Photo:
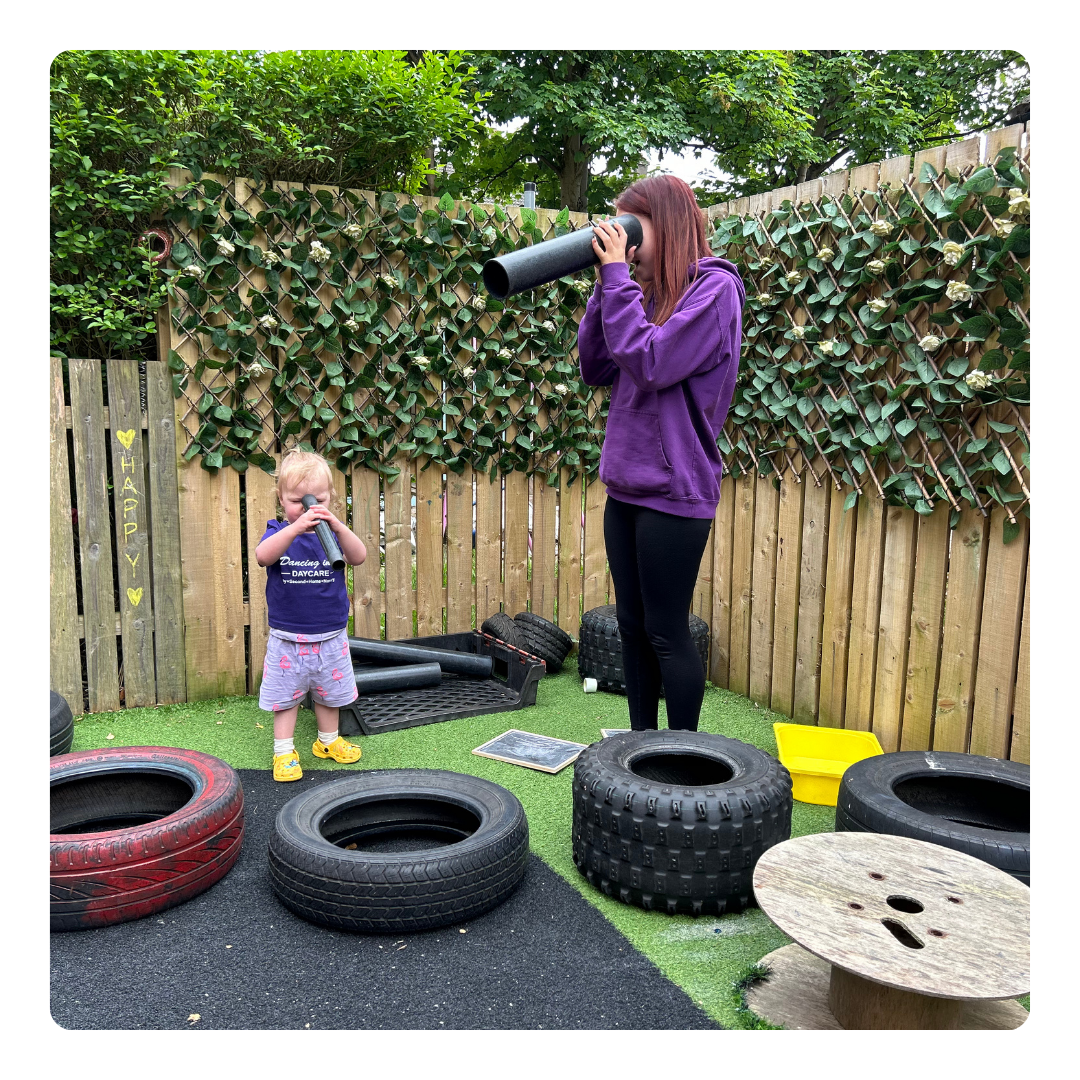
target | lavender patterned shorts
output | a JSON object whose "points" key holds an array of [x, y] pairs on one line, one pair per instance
{"points": [[293, 668]]}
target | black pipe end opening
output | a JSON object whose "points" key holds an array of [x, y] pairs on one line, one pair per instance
{"points": [[496, 279]]}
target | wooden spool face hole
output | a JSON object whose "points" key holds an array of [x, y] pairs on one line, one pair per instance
{"points": [[936, 933], [904, 903], [876, 876], [902, 934], [954, 899], [854, 906]]}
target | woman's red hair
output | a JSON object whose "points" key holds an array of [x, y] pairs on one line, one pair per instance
{"points": [[679, 227]]}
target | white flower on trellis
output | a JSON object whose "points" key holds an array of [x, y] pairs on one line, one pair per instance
{"points": [[877, 305], [876, 266], [505, 354], [195, 271], [764, 298], [793, 277], [766, 261], [562, 388], [952, 251], [423, 365], [825, 253], [547, 324], [1019, 201], [979, 380], [798, 332], [428, 241], [270, 259], [268, 322], [225, 248], [351, 324], [881, 228], [318, 253], [827, 347], [468, 372], [957, 290], [930, 343], [1002, 227], [353, 231], [443, 324], [477, 303], [389, 280]]}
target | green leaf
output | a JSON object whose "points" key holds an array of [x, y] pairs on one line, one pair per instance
{"points": [[906, 427], [979, 327], [981, 181], [1010, 530], [1001, 463], [850, 501], [992, 360], [446, 203]]}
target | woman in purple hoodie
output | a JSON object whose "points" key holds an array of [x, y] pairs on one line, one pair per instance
{"points": [[667, 342]]}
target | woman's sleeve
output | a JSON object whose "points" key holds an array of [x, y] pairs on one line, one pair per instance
{"points": [[597, 367], [655, 357]]}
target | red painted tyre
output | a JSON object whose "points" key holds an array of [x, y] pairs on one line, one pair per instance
{"points": [[137, 830]]}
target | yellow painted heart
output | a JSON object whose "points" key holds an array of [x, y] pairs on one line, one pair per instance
{"points": [[126, 438], [135, 595]]}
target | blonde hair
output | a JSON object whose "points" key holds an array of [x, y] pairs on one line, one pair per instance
{"points": [[299, 465]]}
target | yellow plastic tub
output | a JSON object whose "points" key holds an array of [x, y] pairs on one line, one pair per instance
{"points": [[816, 757]]}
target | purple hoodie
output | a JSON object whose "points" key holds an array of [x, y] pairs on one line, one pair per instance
{"points": [[653, 455]]}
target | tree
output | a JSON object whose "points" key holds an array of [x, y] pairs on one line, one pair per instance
{"points": [[577, 107], [866, 105], [772, 118]]}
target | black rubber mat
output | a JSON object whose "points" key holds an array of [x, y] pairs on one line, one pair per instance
{"points": [[240, 960]]}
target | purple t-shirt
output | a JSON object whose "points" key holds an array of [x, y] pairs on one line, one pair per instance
{"points": [[304, 594]]}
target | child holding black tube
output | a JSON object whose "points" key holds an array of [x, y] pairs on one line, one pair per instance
{"points": [[308, 611]]}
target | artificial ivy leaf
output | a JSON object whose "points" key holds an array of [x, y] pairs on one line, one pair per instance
{"points": [[992, 360], [978, 327], [1010, 530], [981, 181]]}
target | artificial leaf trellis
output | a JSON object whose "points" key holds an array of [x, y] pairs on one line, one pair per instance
{"points": [[357, 324], [886, 339], [886, 336]]}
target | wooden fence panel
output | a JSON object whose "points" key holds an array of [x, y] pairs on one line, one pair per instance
{"points": [[132, 535], [742, 584], [594, 591], [786, 616], [368, 598], [999, 638], [959, 648], [720, 622], [516, 544], [813, 554], [1020, 747], [65, 663], [543, 584], [924, 632], [460, 591], [399, 590], [95, 539], [260, 506], [701, 605], [865, 606], [571, 511], [430, 591], [489, 589], [763, 595], [894, 620], [836, 618]]}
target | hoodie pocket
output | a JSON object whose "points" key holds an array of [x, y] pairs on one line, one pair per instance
{"points": [[633, 458]]}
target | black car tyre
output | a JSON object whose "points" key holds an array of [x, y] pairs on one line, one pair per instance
{"points": [[398, 850], [501, 626], [61, 725], [136, 830], [977, 805], [544, 639], [600, 647], [675, 821]]}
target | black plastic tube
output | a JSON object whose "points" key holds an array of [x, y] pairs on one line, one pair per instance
{"points": [[326, 537], [370, 680], [537, 265], [392, 652]]}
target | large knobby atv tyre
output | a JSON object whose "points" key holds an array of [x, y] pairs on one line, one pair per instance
{"points": [[977, 805], [137, 830], [544, 639], [398, 850], [600, 648], [675, 821], [61, 725], [504, 628]]}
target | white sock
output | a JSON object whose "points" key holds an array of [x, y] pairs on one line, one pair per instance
{"points": [[327, 737], [283, 746]]}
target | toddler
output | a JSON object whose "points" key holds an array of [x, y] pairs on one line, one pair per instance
{"points": [[308, 611]]}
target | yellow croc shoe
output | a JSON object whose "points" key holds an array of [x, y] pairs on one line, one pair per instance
{"points": [[287, 766], [344, 753]]}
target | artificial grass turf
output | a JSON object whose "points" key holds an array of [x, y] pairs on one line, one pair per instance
{"points": [[706, 956]]}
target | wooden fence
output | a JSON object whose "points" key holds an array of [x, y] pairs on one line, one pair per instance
{"points": [[874, 618]]}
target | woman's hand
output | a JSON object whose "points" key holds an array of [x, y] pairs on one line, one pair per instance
{"points": [[614, 249]]}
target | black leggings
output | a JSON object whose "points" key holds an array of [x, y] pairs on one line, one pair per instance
{"points": [[654, 559]]}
